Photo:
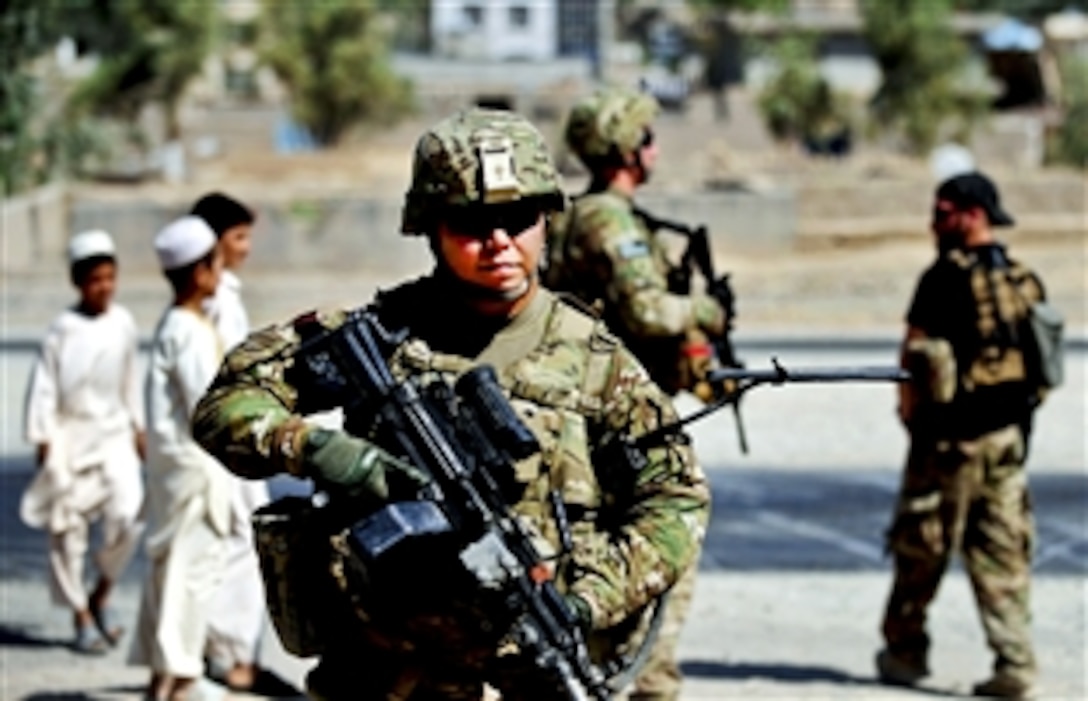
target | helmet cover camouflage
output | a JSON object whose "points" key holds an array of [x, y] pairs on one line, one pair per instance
{"points": [[478, 156], [611, 120]]}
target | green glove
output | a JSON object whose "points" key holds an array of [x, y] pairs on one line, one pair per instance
{"points": [[340, 459], [581, 610]]}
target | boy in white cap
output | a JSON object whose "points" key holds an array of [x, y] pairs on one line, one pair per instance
{"points": [[84, 415], [188, 492], [238, 611]]}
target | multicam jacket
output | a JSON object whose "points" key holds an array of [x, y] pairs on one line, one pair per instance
{"points": [[602, 252], [570, 382]]}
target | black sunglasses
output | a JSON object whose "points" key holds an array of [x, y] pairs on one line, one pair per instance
{"points": [[647, 138], [480, 220]]}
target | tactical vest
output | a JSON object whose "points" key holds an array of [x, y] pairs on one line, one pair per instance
{"points": [[993, 355]]}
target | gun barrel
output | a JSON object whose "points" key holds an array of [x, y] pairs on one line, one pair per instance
{"points": [[844, 374]]}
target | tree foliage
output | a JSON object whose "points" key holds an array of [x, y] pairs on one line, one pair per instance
{"points": [[333, 57], [1069, 144], [149, 51], [28, 28], [923, 63], [797, 103]]}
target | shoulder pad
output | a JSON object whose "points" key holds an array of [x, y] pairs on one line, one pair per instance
{"points": [[574, 321]]}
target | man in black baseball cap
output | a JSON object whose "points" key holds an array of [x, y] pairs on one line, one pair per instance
{"points": [[968, 412], [971, 190]]}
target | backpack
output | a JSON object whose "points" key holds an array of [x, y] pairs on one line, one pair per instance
{"points": [[1045, 357], [1014, 316]]}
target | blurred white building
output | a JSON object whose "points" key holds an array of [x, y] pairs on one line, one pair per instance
{"points": [[496, 30]]}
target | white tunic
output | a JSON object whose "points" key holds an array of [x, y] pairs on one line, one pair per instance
{"points": [[185, 357], [227, 311], [188, 500], [84, 402], [237, 612]]}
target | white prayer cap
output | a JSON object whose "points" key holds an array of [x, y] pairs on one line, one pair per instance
{"points": [[90, 244], [183, 242], [950, 160]]}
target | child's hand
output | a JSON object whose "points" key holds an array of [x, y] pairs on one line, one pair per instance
{"points": [[141, 445]]}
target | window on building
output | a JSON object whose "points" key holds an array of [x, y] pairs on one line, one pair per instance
{"points": [[519, 15], [241, 84], [474, 15]]}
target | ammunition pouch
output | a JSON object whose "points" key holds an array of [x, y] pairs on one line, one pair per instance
{"points": [[932, 366], [918, 531], [296, 556]]}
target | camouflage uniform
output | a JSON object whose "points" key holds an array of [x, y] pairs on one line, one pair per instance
{"points": [[567, 378], [602, 252], [964, 487]]}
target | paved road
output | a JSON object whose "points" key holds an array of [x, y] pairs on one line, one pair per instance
{"points": [[792, 579]]}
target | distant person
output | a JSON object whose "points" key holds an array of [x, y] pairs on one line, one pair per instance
{"points": [[238, 611], [188, 492], [968, 414], [84, 415]]}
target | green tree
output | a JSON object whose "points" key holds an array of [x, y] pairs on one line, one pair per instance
{"points": [[28, 29], [333, 57], [923, 65], [797, 103], [1069, 143], [149, 51]]}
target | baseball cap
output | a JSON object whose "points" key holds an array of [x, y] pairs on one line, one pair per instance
{"points": [[975, 190], [183, 242], [90, 244]]}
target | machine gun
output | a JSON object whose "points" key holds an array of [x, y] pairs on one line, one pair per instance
{"points": [[742, 380], [459, 529]]}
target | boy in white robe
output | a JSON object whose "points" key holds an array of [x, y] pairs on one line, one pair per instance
{"points": [[84, 414], [188, 491], [238, 612]]}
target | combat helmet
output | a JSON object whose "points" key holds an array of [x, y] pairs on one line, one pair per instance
{"points": [[610, 122], [478, 157]]}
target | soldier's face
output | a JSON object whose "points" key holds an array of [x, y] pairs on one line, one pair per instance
{"points": [[947, 218], [496, 247]]}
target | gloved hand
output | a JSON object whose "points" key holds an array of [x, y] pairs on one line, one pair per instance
{"points": [[581, 610], [709, 314], [722, 291], [342, 460]]}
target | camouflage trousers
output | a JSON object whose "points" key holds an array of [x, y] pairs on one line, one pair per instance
{"points": [[661, 678], [972, 497]]}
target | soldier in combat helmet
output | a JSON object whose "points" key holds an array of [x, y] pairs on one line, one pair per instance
{"points": [[603, 251], [483, 185]]}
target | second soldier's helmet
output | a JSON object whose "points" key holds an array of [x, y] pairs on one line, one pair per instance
{"points": [[478, 157], [609, 123]]}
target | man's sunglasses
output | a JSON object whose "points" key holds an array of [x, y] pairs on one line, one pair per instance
{"points": [[481, 220], [647, 138]]}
